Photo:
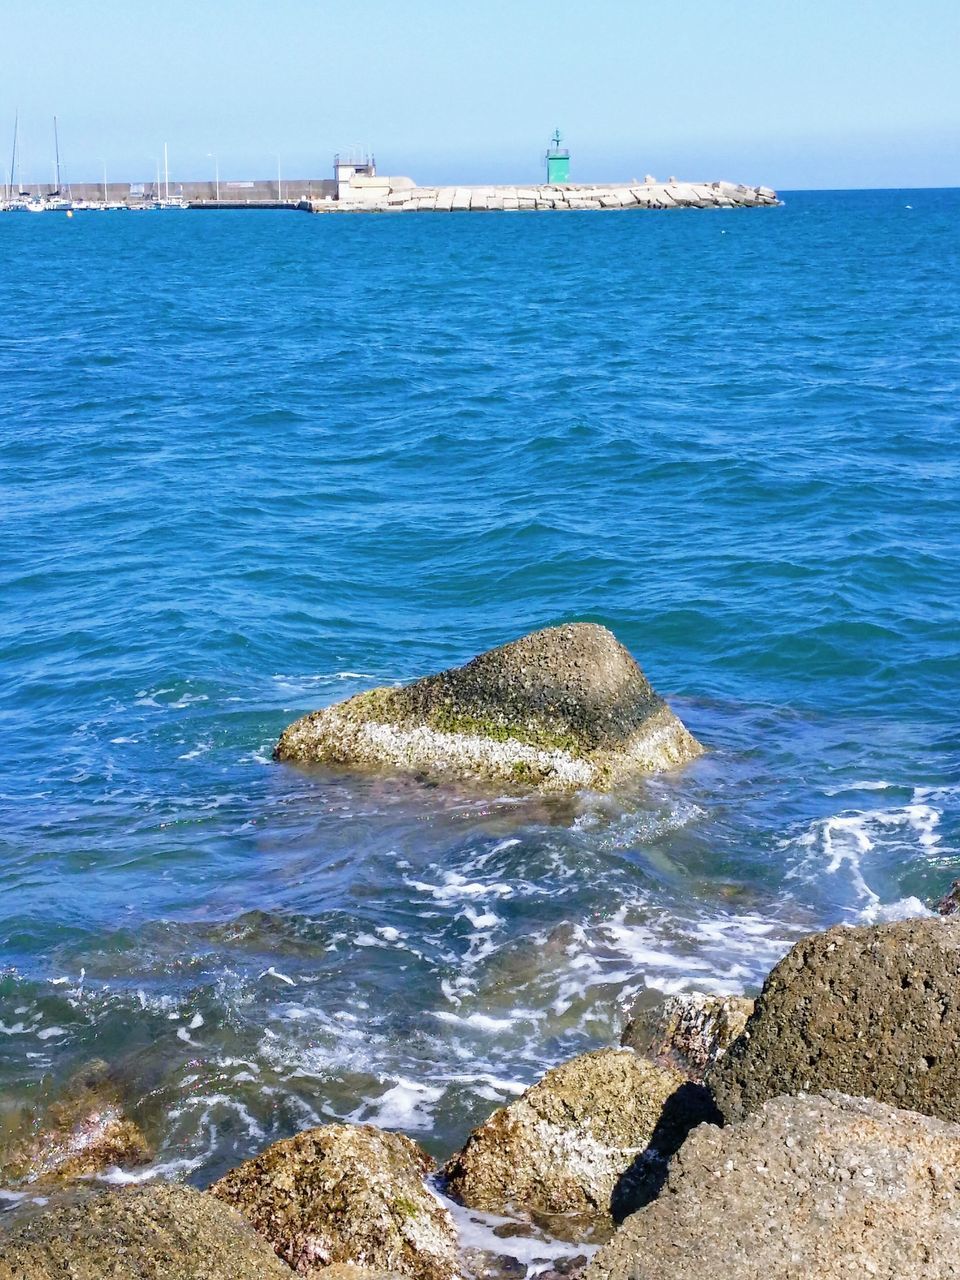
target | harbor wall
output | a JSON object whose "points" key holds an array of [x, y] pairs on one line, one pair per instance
{"points": [[255, 192]]}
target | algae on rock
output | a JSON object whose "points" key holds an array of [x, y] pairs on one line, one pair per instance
{"points": [[160, 1231], [559, 709], [83, 1131], [346, 1194]]}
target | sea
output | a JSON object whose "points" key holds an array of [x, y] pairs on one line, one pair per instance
{"points": [[252, 463]]}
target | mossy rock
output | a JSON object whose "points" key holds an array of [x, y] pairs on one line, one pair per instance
{"points": [[559, 709], [346, 1195], [82, 1131], [155, 1232]]}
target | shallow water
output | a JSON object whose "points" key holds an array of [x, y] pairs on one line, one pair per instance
{"points": [[250, 464]]}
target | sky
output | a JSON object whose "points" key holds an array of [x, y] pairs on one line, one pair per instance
{"points": [[789, 93]]}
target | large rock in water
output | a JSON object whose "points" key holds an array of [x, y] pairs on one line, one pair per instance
{"points": [[828, 1188], [155, 1232], [575, 1142], [872, 1011], [346, 1194], [559, 709]]}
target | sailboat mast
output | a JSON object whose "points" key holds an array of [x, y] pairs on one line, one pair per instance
{"points": [[13, 158], [56, 145], [166, 174]]}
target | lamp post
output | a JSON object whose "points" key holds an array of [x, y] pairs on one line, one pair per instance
{"points": [[216, 173]]}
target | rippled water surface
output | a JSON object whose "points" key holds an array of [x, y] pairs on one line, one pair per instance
{"points": [[253, 463]]}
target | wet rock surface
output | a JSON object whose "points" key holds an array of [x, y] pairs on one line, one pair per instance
{"points": [[824, 1187], [872, 1011], [949, 904], [585, 1142], [83, 1131], [688, 1032], [558, 709], [156, 1232], [346, 1194]]}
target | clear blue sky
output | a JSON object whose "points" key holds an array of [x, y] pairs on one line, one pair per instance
{"points": [[794, 93]]}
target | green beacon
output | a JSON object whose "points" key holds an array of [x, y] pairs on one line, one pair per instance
{"points": [[558, 162]]}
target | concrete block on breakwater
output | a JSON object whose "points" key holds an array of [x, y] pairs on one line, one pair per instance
{"points": [[397, 195]]}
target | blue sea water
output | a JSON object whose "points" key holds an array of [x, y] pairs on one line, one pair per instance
{"points": [[252, 463]]}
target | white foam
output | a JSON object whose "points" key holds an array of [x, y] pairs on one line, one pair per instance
{"points": [[173, 1170], [531, 1247], [408, 1105], [481, 920], [845, 841], [275, 973], [902, 909], [483, 1021], [456, 887]]}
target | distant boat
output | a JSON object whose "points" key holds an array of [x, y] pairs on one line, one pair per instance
{"points": [[15, 203], [166, 201], [54, 201]]}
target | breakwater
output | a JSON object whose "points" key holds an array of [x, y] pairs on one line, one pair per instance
{"points": [[389, 195], [386, 195]]}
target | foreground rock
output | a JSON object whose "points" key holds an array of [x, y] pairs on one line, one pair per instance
{"points": [[155, 1232], [579, 1142], [346, 1194], [873, 1012], [824, 1187], [559, 709], [84, 1131], [688, 1032]]}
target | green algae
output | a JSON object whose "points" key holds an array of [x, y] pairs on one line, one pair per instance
{"points": [[388, 706]]}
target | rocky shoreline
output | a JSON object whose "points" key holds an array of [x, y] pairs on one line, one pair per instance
{"points": [[819, 1139], [814, 1131]]}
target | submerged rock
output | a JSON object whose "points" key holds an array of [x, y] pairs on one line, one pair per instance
{"points": [[689, 1032], [84, 1131], [346, 1194], [872, 1011], [559, 709], [587, 1140], [828, 1187], [155, 1232]]}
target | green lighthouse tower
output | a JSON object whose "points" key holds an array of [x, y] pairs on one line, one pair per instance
{"points": [[558, 162]]}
